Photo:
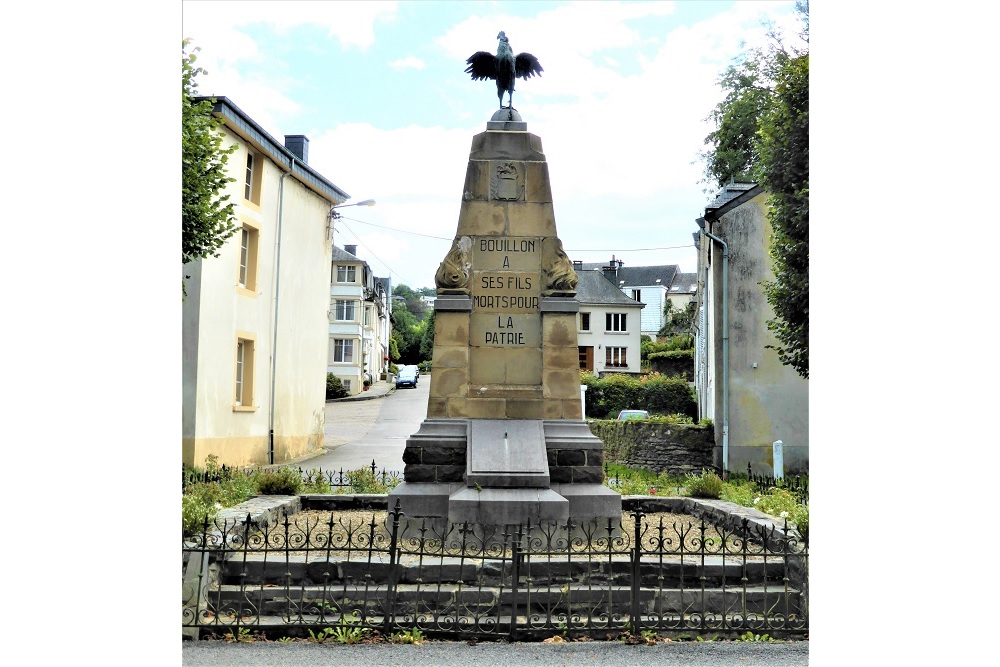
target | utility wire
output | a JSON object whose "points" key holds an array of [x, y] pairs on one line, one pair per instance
{"points": [[443, 238], [403, 281]]}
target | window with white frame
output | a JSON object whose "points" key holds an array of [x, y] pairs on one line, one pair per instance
{"points": [[343, 311], [346, 274], [584, 321], [343, 350], [615, 357], [347, 385], [614, 321]]}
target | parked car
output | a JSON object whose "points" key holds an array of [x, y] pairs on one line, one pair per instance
{"points": [[407, 377], [630, 415]]}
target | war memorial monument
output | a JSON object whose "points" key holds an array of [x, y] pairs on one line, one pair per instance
{"points": [[504, 441]]}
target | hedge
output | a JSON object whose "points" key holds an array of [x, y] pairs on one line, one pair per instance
{"points": [[659, 394]]}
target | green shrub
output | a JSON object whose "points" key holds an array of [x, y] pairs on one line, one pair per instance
{"points": [[777, 502], [708, 485], [280, 482], [363, 480], [334, 387], [739, 492], [424, 366], [194, 509], [800, 517]]}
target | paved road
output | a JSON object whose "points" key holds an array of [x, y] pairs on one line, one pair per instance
{"points": [[358, 432], [461, 654]]}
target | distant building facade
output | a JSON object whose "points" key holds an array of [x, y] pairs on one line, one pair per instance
{"points": [[358, 321], [607, 326]]}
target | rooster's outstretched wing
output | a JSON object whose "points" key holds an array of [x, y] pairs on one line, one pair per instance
{"points": [[525, 66], [483, 65]]}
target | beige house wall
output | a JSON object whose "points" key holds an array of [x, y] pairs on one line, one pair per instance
{"points": [[768, 401], [217, 311]]}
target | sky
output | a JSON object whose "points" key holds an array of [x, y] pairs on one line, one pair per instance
{"points": [[379, 89]]}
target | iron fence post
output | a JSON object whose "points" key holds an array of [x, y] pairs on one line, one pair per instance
{"points": [[637, 515], [515, 575], [390, 593]]}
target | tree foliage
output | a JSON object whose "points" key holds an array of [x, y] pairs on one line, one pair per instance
{"points": [[762, 135], [784, 146], [207, 216]]}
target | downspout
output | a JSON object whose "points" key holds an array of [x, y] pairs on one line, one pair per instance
{"points": [[725, 351], [274, 335]]}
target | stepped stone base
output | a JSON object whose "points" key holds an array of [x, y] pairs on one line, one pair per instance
{"points": [[461, 470]]}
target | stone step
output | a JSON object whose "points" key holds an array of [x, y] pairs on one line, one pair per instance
{"points": [[315, 602], [257, 568]]}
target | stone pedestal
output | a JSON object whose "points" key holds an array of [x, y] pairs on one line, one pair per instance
{"points": [[505, 440]]}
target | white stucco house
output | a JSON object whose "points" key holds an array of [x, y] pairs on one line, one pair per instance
{"points": [[650, 285], [607, 326], [254, 325], [359, 324]]}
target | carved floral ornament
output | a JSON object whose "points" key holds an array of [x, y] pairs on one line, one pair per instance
{"points": [[453, 273]]}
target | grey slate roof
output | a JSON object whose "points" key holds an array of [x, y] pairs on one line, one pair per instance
{"points": [[339, 254], [731, 196], [637, 276], [594, 289], [687, 283]]}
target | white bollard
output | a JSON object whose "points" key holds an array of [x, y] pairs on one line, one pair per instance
{"points": [[779, 460], [583, 400]]}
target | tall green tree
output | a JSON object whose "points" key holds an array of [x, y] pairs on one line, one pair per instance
{"points": [[784, 154], [207, 215], [762, 134]]}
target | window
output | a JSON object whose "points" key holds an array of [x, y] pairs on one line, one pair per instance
{"points": [[346, 274], [584, 321], [343, 311], [343, 351], [249, 240], [347, 385], [252, 178], [614, 322], [637, 294], [615, 356], [244, 372], [368, 316]]}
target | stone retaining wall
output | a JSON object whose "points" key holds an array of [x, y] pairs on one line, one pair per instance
{"points": [[675, 449]]}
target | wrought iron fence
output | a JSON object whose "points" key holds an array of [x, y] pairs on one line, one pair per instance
{"points": [[797, 486], [334, 478], [602, 577]]}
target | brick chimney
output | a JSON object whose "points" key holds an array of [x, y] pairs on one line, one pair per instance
{"points": [[299, 145]]}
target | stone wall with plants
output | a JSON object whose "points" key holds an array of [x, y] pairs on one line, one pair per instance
{"points": [[673, 362], [660, 446]]}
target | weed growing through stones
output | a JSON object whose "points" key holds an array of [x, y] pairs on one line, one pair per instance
{"points": [[413, 636]]}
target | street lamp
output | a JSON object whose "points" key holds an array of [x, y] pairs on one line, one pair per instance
{"points": [[335, 214]]}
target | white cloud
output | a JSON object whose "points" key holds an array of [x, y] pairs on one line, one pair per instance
{"points": [[409, 62]]}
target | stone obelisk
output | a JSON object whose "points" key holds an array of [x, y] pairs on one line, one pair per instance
{"points": [[504, 441]]}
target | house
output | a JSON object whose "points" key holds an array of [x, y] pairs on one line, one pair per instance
{"points": [[651, 285], [358, 321], [607, 325], [752, 398], [253, 320]]}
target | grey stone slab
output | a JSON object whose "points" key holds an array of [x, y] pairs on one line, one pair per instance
{"points": [[558, 304], [449, 302], [500, 507], [422, 500], [570, 434], [507, 453], [588, 501]]}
